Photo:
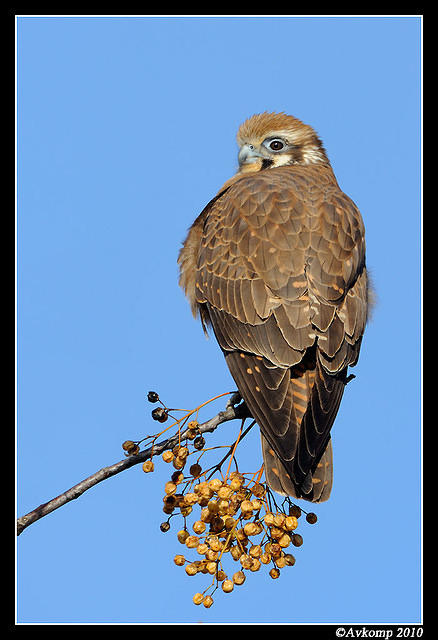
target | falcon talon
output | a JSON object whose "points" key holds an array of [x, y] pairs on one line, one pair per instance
{"points": [[349, 378], [235, 398], [242, 411]]}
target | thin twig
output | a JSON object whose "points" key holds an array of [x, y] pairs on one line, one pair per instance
{"points": [[230, 413]]}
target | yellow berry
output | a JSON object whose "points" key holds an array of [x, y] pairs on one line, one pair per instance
{"points": [[227, 586], [224, 492], [182, 536], [291, 523], [235, 484], [239, 577], [215, 484], [246, 505], [241, 535], [213, 506], [223, 506], [269, 519], [211, 567], [148, 466], [274, 573], [179, 560], [183, 452], [206, 515], [255, 551], [198, 598], [167, 456], [192, 542], [256, 564], [199, 526], [170, 488], [208, 601], [279, 519], [258, 490], [179, 463], [191, 569], [211, 555], [276, 532], [284, 541], [202, 548], [250, 529], [236, 552], [215, 543], [205, 490], [246, 561]]}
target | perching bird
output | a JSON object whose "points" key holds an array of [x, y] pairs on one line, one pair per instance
{"points": [[275, 265]]}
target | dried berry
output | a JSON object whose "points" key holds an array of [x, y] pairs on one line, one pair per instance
{"points": [[295, 511], [148, 466], [195, 470], [198, 598], [130, 447], [159, 414], [153, 396], [297, 540], [199, 443]]}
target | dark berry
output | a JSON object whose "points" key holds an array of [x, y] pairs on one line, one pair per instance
{"points": [[159, 414], [297, 540], [199, 443]]}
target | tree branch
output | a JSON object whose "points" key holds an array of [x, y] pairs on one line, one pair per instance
{"points": [[231, 412]]}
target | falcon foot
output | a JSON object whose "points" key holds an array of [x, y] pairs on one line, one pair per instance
{"points": [[349, 378], [239, 405]]}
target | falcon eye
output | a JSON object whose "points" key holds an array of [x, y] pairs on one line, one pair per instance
{"points": [[276, 145]]}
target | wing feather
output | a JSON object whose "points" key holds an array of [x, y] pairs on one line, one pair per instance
{"points": [[280, 274]]}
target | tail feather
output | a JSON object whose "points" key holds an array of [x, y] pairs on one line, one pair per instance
{"points": [[295, 409], [318, 484]]}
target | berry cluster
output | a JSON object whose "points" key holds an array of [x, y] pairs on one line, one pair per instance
{"points": [[236, 522], [236, 516]]}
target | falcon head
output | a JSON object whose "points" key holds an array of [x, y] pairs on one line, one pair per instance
{"points": [[268, 140]]}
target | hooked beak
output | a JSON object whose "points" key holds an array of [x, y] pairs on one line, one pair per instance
{"points": [[248, 154]]}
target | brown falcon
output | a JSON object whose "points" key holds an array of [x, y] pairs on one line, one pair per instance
{"points": [[275, 264]]}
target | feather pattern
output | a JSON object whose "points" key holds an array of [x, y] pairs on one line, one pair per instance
{"points": [[276, 264]]}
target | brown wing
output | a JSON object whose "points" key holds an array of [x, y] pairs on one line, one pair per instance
{"points": [[281, 277]]}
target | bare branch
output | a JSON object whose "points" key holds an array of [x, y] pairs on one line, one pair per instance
{"points": [[231, 412]]}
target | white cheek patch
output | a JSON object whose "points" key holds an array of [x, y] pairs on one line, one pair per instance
{"points": [[311, 155], [281, 160]]}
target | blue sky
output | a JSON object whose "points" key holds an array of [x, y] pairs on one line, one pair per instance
{"points": [[125, 130]]}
